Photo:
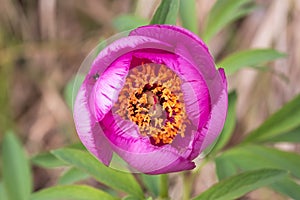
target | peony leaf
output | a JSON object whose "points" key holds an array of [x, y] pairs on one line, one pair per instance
{"points": [[287, 187], [152, 183], [223, 13], [71, 176], [225, 168], [128, 22], [47, 160], [166, 13], [3, 195], [16, 169], [248, 58], [238, 185], [250, 157], [71, 192], [292, 136], [285, 119], [110, 177], [229, 123], [187, 12]]}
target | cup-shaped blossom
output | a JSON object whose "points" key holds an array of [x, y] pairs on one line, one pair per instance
{"points": [[155, 98]]}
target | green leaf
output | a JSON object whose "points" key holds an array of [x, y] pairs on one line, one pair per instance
{"points": [[248, 58], [3, 195], [287, 187], [187, 11], [16, 169], [47, 160], [225, 168], [250, 157], [285, 119], [71, 176], [229, 124], [223, 13], [71, 192], [292, 136], [110, 177], [128, 22], [152, 183], [166, 13], [236, 186]]}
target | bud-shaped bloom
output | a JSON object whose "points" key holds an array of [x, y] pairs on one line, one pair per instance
{"points": [[155, 98]]}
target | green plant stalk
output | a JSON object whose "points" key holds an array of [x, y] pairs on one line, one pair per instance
{"points": [[188, 180], [164, 187]]}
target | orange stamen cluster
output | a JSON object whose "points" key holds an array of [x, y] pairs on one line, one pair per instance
{"points": [[152, 99]]}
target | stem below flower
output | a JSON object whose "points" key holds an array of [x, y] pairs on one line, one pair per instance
{"points": [[187, 183], [164, 187]]}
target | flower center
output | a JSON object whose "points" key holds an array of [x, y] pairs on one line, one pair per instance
{"points": [[152, 99]]}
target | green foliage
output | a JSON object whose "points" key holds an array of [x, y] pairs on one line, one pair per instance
{"points": [[187, 12], [166, 13], [287, 187], [285, 119], [128, 22], [248, 58], [151, 182], [225, 168], [110, 177], [71, 176], [3, 195], [223, 13], [238, 185], [16, 169], [47, 160], [253, 157], [249, 157], [292, 136], [71, 192]]}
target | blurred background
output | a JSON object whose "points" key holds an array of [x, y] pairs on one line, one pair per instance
{"points": [[43, 42]]}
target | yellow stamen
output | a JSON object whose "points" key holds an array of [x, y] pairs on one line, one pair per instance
{"points": [[152, 99]]}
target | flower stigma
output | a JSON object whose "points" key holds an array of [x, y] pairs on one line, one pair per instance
{"points": [[152, 99]]}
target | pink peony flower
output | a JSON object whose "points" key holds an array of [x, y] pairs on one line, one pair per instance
{"points": [[154, 98]]}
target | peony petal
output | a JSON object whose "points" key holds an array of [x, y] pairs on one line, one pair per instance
{"points": [[119, 48], [191, 48], [107, 88], [216, 123], [89, 130], [138, 152], [180, 164]]}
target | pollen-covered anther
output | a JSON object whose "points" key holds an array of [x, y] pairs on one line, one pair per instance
{"points": [[155, 104]]}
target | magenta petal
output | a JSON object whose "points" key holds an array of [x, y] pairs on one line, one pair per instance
{"points": [[218, 115], [180, 164], [121, 47], [136, 150], [187, 45], [107, 88], [191, 48], [215, 124], [89, 130]]}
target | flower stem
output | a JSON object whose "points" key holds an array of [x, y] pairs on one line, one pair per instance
{"points": [[164, 187], [187, 184]]}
